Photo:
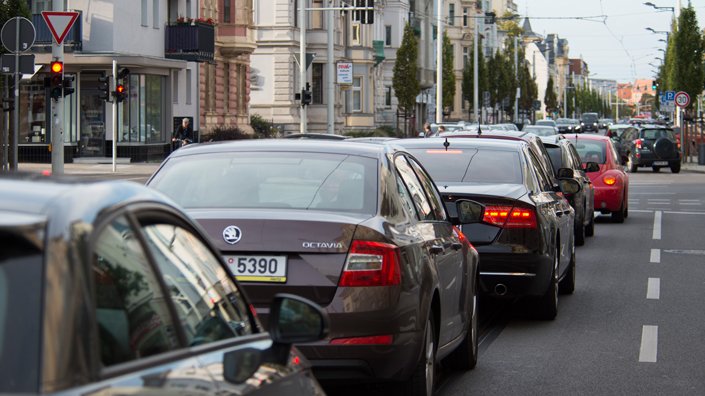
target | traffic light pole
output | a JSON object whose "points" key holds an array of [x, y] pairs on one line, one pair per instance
{"points": [[115, 117], [302, 64], [57, 111]]}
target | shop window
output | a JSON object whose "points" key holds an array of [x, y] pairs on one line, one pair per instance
{"points": [[142, 111]]}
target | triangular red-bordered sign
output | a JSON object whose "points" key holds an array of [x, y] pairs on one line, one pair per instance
{"points": [[59, 23]]}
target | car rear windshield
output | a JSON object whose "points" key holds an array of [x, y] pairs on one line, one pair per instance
{"points": [[20, 313], [298, 180], [591, 151], [589, 118], [655, 134], [471, 165]]}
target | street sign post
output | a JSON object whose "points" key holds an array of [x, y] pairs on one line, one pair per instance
{"points": [[7, 64], [682, 99]]}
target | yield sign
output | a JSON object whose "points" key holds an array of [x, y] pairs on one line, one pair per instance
{"points": [[59, 22]]}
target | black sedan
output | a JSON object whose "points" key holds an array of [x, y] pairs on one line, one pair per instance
{"points": [[525, 240], [566, 163], [108, 288], [360, 229]]}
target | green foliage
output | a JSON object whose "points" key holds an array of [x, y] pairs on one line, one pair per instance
{"points": [[529, 89], [689, 75], [510, 25], [262, 127], [405, 80], [549, 99], [448, 72], [226, 133]]}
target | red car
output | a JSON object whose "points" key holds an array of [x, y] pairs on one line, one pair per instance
{"points": [[610, 180]]}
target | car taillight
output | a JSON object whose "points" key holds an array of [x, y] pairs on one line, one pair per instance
{"points": [[371, 264], [638, 143], [510, 217], [609, 180], [463, 239], [371, 340]]}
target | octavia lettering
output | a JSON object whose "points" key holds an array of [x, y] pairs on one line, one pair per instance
{"points": [[327, 245]]}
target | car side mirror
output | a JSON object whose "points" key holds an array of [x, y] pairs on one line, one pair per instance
{"points": [[591, 167], [241, 364], [294, 319], [565, 173], [469, 212], [569, 186]]}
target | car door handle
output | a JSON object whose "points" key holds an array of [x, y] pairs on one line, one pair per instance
{"points": [[437, 249], [456, 245]]}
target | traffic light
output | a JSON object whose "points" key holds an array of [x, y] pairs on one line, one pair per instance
{"points": [[56, 80], [68, 85], [306, 96], [121, 84], [120, 93], [104, 88], [654, 85]]}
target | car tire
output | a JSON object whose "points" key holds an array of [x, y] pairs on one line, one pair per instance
{"points": [[656, 169], [590, 228], [423, 378], [580, 234], [567, 284], [632, 166], [547, 305], [464, 357], [676, 167], [618, 215]]}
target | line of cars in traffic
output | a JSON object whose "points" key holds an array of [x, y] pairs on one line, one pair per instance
{"points": [[368, 255]]}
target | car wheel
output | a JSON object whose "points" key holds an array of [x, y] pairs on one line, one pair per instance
{"points": [[618, 215], [547, 305], [632, 166], [423, 378], [676, 167], [590, 228], [656, 169], [567, 285], [465, 356], [580, 233]]}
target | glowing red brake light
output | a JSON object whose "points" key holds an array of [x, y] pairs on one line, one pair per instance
{"points": [[508, 217], [638, 143], [371, 340], [371, 264]]}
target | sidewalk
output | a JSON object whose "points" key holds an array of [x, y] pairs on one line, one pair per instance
{"points": [[693, 166]]}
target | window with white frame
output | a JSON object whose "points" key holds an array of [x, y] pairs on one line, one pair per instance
{"points": [[388, 96], [145, 13], [357, 94], [317, 16], [465, 16], [451, 14], [388, 35], [466, 56], [355, 35]]}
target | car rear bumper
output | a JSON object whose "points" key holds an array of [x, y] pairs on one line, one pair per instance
{"points": [[648, 158], [513, 275], [365, 363], [608, 199]]}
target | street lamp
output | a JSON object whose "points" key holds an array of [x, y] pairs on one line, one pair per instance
{"points": [[667, 33], [650, 4]]}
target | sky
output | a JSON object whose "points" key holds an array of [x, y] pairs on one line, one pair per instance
{"points": [[609, 35]]}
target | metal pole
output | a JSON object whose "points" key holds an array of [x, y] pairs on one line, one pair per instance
{"points": [[57, 129], [475, 88], [439, 63], [302, 62], [16, 118], [113, 85], [330, 101], [4, 136], [516, 77]]}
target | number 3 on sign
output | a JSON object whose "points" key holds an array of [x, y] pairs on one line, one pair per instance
{"points": [[682, 99]]}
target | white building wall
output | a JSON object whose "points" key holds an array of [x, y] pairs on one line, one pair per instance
{"points": [[538, 67]]}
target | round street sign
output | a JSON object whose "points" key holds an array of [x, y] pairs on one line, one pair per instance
{"points": [[12, 41], [682, 99]]}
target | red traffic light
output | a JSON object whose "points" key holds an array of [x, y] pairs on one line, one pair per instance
{"points": [[120, 88], [57, 67]]}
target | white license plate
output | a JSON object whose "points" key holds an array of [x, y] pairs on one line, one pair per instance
{"points": [[249, 268], [661, 163]]}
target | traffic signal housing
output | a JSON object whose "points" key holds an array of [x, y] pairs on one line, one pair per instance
{"points": [[654, 85], [306, 97], [121, 84], [104, 88], [56, 80], [120, 92], [68, 85]]}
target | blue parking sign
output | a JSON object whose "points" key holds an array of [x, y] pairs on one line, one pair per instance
{"points": [[670, 96]]}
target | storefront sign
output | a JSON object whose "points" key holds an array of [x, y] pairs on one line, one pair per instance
{"points": [[345, 73]]}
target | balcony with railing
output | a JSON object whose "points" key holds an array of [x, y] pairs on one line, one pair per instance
{"points": [[44, 39], [193, 42]]}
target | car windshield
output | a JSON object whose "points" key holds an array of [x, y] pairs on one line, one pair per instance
{"points": [[655, 134], [540, 130], [20, 313], [589, 118], [591, 151], [298, 180], [471, 165]]}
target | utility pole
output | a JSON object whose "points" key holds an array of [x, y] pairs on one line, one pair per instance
{"points": [[475, 88], [303, 127], [57, 128], [516, 77], [439, 63], [330, 55]]}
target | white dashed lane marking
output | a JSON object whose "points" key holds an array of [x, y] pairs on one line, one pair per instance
{"points": [[655, 255], [649, 344], [657, 225], [653, 289]]}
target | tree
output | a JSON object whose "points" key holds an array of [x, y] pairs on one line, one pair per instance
{"points": [[405, 81], [689, 74], [549, 99], [448, 72], [509, 24]]}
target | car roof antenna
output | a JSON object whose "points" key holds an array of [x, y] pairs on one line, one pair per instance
{"points": [[446, 143]]}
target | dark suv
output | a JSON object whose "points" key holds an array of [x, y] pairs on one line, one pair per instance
{"points": [[650, 145], [589, 122]]}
